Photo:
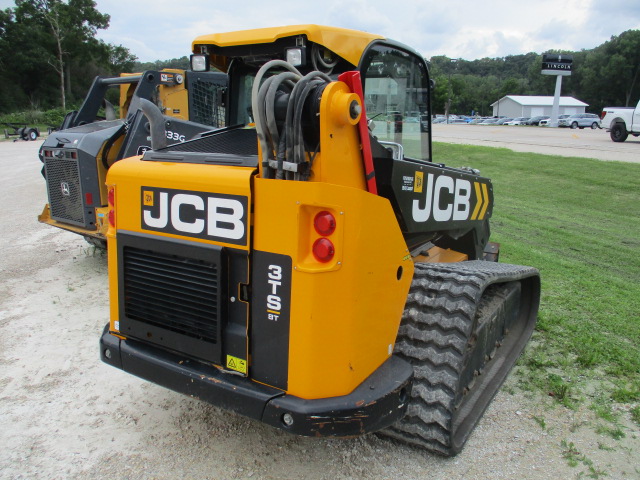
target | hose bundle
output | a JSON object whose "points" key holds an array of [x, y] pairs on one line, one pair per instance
{"points": [[284, 152]]}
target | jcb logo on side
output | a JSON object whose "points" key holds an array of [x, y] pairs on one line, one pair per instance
{"points": [[449, 199], [216, 216]]}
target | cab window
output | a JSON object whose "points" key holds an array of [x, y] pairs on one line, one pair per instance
{"points": [[396, 90]]}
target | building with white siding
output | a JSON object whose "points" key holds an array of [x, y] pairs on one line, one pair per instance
{"points": [[532, 106]]}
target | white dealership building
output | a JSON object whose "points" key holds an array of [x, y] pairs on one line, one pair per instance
{"points": [[532, 106]]}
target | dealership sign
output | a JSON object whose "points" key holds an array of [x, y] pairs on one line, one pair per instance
{"points": [[555, 64]]}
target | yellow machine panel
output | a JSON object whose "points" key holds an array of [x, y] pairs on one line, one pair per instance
{"points": [[157, 202], [349, 44], [199, 203], [172, 99], [346, 312]]}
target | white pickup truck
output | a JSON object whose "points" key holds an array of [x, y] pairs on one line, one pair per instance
{"points": [[621, 121]]}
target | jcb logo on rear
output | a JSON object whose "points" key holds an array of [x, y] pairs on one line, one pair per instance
{"points": [[212, 216]]}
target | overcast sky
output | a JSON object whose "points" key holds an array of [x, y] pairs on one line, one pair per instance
{"points": [[468, 29]]}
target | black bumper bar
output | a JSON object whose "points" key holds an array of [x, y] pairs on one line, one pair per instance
{"points": [[378, 402]]}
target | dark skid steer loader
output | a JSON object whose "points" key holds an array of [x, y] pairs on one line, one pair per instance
{"points": [[77, 156], [310, 266]]}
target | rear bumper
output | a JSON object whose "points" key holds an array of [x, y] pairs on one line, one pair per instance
{"points": [[378, 402], [93, 236]]}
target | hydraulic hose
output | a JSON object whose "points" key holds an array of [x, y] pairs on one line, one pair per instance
{"points": [[287, 78], [258, 104], [283, 148], [156, 121]]}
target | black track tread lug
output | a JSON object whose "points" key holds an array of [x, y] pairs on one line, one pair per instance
{"points": [[427, 352], [443, 339], [437, 323]]}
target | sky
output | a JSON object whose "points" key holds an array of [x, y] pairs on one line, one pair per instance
{"points": [[467, 29]]}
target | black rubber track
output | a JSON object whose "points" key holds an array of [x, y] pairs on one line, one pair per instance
{"points": [[454, 381]]}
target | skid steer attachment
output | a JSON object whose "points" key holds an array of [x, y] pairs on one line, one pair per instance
{"points": [[310, 266]]}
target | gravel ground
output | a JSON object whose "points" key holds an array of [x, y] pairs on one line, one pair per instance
{"points": [[65, 415]]}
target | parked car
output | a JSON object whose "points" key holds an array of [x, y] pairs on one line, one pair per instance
{"points": [[581, 120], [489, 121], [502, 121], [412, 117], [537, 119], [476, 121], [518, 121], [547, 121]]}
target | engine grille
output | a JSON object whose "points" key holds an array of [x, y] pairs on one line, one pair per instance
{"points": [[172, 292], [65, 192]]}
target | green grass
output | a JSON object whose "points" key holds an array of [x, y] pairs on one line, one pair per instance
{"points": [[578, 221], [574, 459], [635, 414]]}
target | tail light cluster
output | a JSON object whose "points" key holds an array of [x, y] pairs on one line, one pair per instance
{"points": [[62, 154], [325, 225], [111, 199]]}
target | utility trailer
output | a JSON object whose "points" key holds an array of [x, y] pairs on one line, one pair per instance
{"points": [[21, 131]]}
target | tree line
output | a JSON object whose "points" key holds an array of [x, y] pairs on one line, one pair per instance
{"points": [[49, 56], [608, 75], [49, 53]]}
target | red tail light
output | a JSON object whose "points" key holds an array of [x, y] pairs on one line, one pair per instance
{"points": [[325, 223], [111, 198], [323, 250]]}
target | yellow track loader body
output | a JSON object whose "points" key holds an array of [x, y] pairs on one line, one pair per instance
{"points": [[290, 267]]}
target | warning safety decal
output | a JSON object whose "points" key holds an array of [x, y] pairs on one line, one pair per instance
{"points": [[237, 364]]}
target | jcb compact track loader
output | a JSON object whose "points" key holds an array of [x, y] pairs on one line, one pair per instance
{"points": [[310, 266], [76, 157]]}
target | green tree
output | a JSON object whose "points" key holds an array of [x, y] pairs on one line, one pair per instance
{"points": [[45, 44], [611, 72], [21, 55], [179, 63], [73, 26], [120, 58]]}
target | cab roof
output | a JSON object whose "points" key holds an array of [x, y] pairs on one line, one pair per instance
{"points": [[348, 44]]}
